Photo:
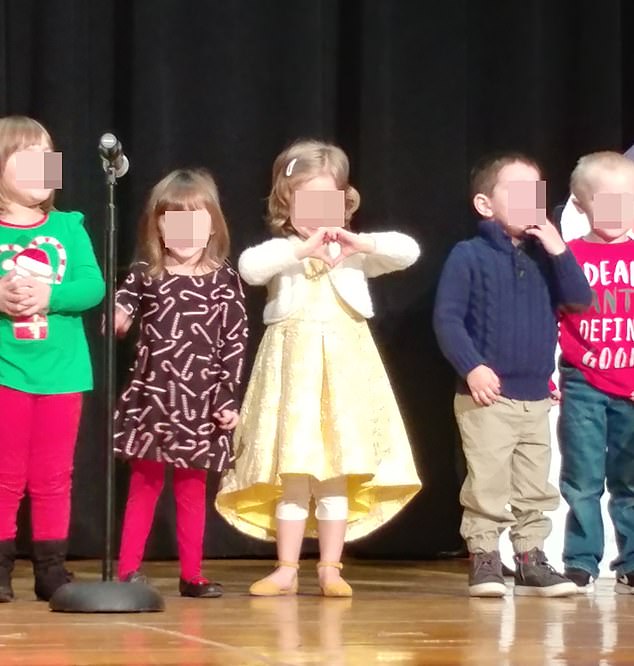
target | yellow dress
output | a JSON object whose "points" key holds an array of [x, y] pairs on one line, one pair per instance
{"points": [[319, 403]]}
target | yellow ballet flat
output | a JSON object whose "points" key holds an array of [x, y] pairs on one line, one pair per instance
{"points": [[268, 588], [338, 589]]}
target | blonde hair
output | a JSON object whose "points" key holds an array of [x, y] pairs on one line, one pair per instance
{"points": [[583, 180], [309, 159], [183, 189], [17, 133]]}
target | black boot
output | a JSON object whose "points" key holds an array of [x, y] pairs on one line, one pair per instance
{"points": [[7, 559], [48, 567]]}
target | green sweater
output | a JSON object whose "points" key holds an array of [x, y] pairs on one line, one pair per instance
{"points": [[60, 363]]}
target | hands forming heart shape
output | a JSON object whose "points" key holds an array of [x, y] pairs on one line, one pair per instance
{"points": [[332, 245]]}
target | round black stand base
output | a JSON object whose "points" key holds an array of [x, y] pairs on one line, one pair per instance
{"points": [[107, 597]]}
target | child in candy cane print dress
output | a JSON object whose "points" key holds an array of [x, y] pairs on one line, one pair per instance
{"points": [[48, 278], [180, 406]]}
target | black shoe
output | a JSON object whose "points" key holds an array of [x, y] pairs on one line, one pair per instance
{"points": [[581, 578], [534, 577], [7, 560], [135, 577], [485, 575], [625, 583], [48, 567], [199, 587]]}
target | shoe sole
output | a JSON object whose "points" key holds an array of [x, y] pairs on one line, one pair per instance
{"points": [[559, 590], [585, 589], [487, 590], [280, 593]]}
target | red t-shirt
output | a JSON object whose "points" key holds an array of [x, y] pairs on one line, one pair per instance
{"points": [[600, 341]]}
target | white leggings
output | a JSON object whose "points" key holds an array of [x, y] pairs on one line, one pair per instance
{"points": [[331, 498]]}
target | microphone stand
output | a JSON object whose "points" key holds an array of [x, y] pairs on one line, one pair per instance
{"points": [[108, 596]]}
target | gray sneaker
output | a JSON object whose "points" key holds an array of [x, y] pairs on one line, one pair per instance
{"points": [[625, 583], [485, 575], [534, 577]]}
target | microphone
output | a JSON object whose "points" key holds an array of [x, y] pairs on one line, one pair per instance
{"points": [[112, 155]]}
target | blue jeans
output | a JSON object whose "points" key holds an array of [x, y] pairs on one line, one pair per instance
{"points": [[596, 437]]}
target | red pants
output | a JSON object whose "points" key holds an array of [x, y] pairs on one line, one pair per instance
{"points": [[146, 484], [37, 445]]}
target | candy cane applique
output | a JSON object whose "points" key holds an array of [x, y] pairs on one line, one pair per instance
{"points": [[61, 254]]}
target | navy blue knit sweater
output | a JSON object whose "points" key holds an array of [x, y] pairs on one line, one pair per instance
{"points": [[496, 305]]}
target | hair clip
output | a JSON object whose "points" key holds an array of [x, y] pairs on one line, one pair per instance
{"points": [[290, 167]]}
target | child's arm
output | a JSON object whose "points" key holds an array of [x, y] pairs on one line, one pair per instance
{"points": [[393, 251], [127, 299], [231, 348], [450, 310], [569, 288], [259, 264], [128, 296], [83, 286]]}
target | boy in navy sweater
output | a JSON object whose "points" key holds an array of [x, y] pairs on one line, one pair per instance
{"points": [[495, 320]]}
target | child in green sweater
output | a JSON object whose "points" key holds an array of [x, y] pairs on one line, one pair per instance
{"points": [[48, 277]]}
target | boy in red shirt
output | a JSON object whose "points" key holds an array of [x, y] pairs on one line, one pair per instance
{"points": [[596, 423]]}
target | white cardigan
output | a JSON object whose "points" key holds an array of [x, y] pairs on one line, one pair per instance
{"points": [[275, 264]]}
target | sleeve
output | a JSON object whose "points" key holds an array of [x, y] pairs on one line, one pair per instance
{"points": [[570, 288], [259, 264], [232, 345], [129, 294], [83, 286], [393, 251], [450, 312]]}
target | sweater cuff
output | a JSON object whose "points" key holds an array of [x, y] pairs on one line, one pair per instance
{"points": [[565, 263], [465, 361]]}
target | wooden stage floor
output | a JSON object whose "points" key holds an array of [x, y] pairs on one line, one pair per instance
{"points": [[402, 613]]}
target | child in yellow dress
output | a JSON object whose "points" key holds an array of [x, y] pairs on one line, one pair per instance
{"points": [[319, 417]]}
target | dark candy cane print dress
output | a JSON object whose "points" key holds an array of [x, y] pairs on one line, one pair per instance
{"points": [[189, 359]]}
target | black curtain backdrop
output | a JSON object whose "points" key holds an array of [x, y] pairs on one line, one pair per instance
{"points": [[414, 91]]}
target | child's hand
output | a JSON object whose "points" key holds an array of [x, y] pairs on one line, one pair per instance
{"points": [[228, 419], [555, 397], [352, 243], [316, 245], [632, 396], [549, 237], [484, 385], [35, 296], [122, 322], [10, 300]]}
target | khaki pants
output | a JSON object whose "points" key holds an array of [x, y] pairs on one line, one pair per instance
{"points": [[507, 449]]}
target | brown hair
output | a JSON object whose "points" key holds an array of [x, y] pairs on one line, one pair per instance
{"points": [[16, 133], [583, 178], [183, 189], [310, 158], [484, 174]]}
